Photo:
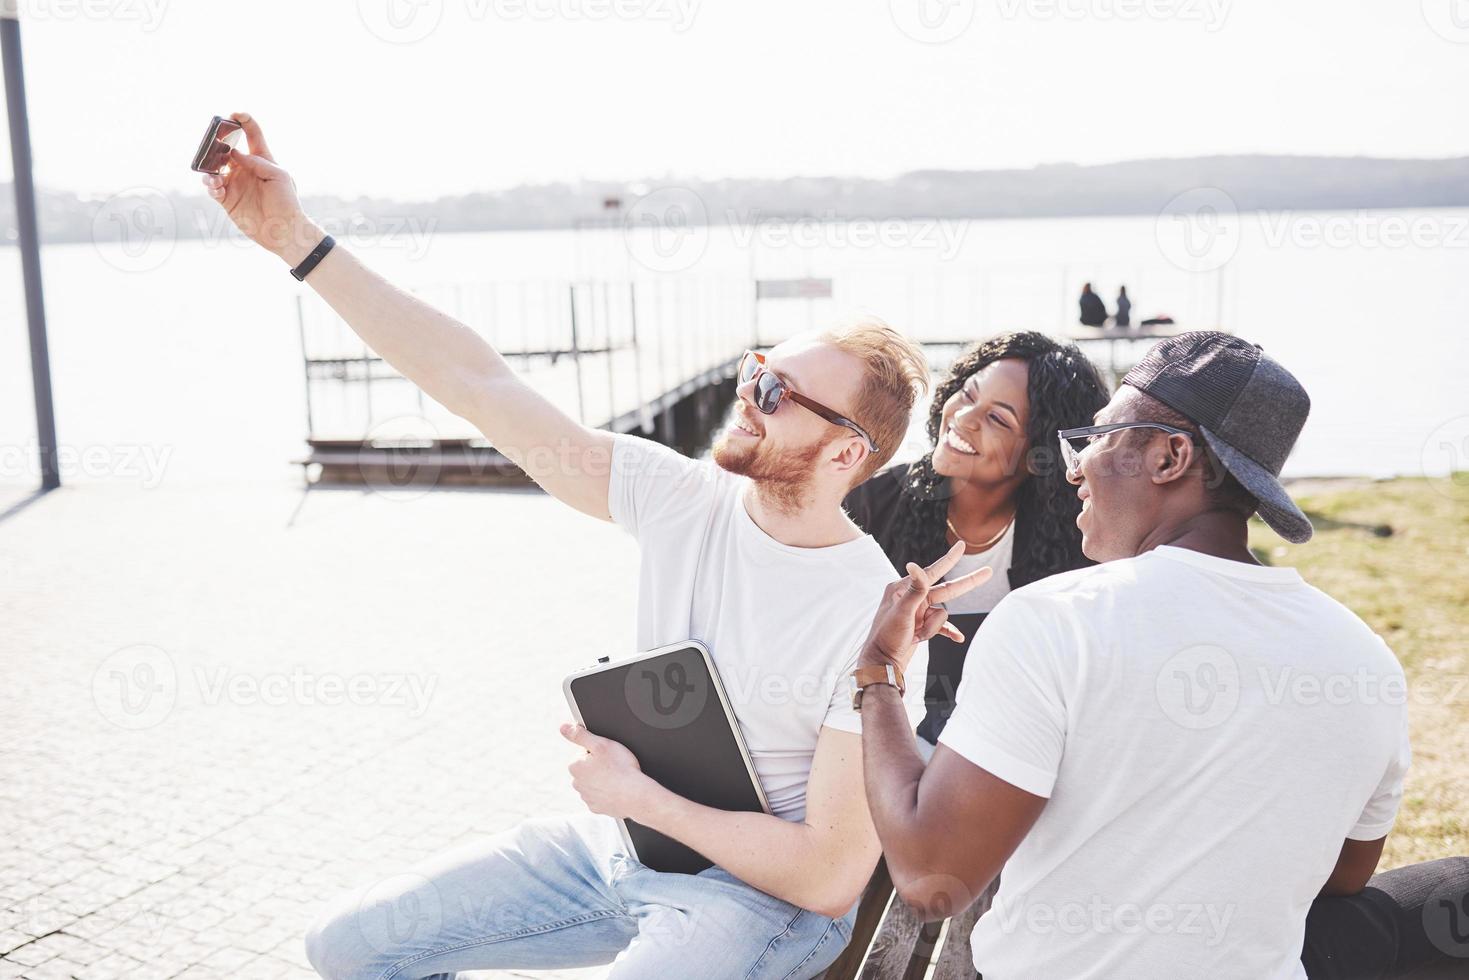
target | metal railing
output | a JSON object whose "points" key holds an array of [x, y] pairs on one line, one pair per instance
{"points": [[611, 354]]}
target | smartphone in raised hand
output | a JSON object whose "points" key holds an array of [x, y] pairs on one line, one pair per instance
{"points": [[213, 155]]}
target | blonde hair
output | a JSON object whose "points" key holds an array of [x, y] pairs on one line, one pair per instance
{"points": [[896, 376]]}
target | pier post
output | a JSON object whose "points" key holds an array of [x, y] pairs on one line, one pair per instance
{"points": [[30, 243], [581, 405]]}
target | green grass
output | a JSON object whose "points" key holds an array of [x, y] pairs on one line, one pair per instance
{"points": [[1412, 587]]}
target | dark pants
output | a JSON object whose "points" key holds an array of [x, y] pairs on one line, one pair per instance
{"points": [[1410, 923]]}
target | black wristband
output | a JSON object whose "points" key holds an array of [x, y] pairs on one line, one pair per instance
{"points": [[317, 254]]}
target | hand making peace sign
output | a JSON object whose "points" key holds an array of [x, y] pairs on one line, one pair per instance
{"points": [[912, 610]]}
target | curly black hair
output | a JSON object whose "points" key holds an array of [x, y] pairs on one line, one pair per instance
{"points": [[1065, 391]]}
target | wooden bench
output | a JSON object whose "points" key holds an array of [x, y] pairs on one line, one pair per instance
{"points": [[891, 942]]}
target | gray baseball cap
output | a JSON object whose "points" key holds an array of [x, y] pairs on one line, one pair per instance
{"points": [[1248, 408]]}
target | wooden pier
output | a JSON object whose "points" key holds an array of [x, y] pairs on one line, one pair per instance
{"points": [[657, 359], [1115, 350], [652, 357]]}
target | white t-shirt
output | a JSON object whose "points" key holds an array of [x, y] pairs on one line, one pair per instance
{"points": [[985, 596], [784, 625], [1208, 734]]}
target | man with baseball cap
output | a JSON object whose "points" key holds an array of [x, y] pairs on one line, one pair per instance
{"points": [[1172, 753]]}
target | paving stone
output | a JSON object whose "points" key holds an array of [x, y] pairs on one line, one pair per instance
{"points": [[92, 926], [30, 954], [112, 967], [199, 973], [54, 969], [60, 944]]}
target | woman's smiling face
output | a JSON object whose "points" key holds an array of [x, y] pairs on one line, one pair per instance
{"points": [[982, 434]]}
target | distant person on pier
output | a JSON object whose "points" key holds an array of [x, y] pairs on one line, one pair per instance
{"points": [[1093, 310], [1124, 309], [749, 552]]}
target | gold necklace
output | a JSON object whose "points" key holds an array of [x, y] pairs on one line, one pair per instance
{"points": [[986, 546]]}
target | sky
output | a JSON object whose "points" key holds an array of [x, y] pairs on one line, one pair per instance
{"points": [[418, 98]]}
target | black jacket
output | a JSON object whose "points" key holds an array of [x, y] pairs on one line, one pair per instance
{"points": [[1093, 310], [876, 506]]}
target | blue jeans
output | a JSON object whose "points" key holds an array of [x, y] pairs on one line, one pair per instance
{"points": [[562, 892]]}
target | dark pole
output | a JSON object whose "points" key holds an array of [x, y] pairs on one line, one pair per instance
{"points": [[30, 242]]}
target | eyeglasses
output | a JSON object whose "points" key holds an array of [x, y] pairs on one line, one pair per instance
{"points": [[1071, 454], [769, 390]]}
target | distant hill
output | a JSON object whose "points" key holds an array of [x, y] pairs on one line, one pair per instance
{"points": [[1136, 187]]}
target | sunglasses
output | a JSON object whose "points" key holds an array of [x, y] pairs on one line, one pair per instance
{"points": [[1071, 454], [771, 390]]}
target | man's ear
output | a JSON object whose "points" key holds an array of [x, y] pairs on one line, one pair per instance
{"points": [[1174, 456], [850, 453]]}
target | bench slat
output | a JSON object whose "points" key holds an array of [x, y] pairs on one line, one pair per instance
{"points": [[889, 941], [903, 946], [956, 960]]}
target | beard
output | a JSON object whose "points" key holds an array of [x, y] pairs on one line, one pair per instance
{"points": [[780, 476]]}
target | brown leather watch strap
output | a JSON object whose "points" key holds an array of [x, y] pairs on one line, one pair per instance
{"points": [[865, 677]]}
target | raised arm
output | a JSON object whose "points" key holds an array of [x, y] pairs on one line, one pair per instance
{"points": [[949, 827], [449, 361]]}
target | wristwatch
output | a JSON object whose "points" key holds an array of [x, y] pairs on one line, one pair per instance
{"points": [[310, 262], [864, 677]]}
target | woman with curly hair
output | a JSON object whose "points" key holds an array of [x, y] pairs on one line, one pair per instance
{"points": [[991, 480]]}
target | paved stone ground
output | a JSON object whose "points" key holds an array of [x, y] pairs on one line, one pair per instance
{"points": [[183, 780]]}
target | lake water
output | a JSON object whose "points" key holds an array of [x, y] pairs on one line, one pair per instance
{"points": [[182, 361]]}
